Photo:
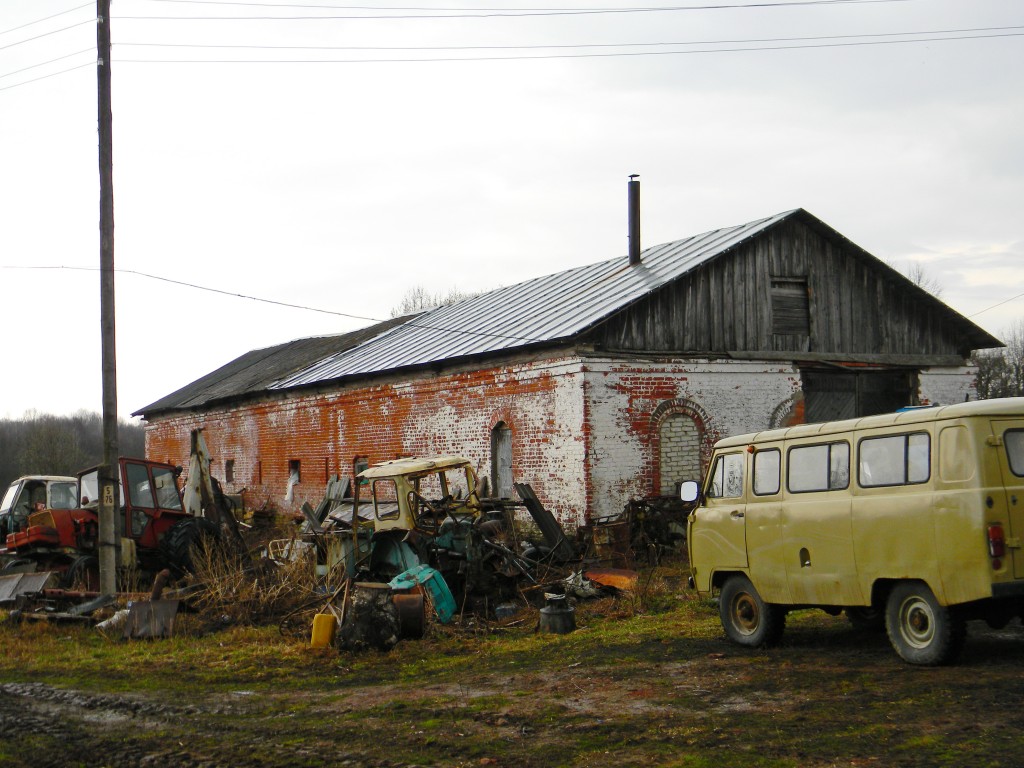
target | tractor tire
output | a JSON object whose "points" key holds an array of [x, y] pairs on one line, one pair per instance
{"points": [[178, 544], [83, 575]]}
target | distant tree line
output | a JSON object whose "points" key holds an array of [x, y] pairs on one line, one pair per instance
{"points": [[1001, 371], [44, 444]]}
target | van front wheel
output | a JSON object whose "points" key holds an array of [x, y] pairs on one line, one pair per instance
{"points": [[922, 631], [746, 618]]}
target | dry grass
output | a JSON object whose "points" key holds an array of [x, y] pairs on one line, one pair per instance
{"points": [[232, 590]]}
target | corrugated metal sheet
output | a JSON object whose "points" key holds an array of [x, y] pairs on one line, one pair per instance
{"points": [[258, 370], [543, 310]]}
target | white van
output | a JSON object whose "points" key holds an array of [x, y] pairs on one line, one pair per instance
{"points": [[913, 520]]}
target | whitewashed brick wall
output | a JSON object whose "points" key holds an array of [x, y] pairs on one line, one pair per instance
{"points": [[945, 386]]}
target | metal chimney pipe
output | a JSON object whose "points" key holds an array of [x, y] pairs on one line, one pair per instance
{"points": [[634, 220]]}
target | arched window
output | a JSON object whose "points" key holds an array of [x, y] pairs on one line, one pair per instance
{"points": [[501, 461]]}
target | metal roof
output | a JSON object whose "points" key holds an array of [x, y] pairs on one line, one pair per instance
{"points": [[257, 371], [542, 310]]}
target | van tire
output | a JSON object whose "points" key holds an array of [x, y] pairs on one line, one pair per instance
{"points": [[746, 618], [922, 631]]}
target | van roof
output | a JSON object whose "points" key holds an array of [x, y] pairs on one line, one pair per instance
{"points": [[1004, 406]]}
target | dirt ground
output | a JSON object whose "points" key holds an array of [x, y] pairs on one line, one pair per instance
{"points": [[662, 690]]}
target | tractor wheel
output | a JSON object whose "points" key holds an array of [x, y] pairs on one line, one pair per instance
{"points": [[177, 545], [746, 618], [83, 575]]}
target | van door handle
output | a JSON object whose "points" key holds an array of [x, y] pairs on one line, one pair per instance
{"points": [[736, 514]]}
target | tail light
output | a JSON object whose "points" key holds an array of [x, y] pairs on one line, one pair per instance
{"points": [[996, 545]]}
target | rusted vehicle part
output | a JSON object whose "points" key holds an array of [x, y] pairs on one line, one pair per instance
{"points": [[432, 581], [618, 578], [561, 547], [204, 499], [426, 511], [412, 613], [150, 618], [371, 619], [646, 530], [24, 494], [17, 585], [657, 526], [606, 541]]}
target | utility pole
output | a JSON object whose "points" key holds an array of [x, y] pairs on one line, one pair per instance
{"points": [[108, 538]]}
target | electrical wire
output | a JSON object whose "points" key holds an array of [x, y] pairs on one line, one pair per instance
{"points": [[1006, 301], [567, 55], [45, 77], [51, 61], [46, 34], [47, 18], [565, 46], [424, 8], [460, 13], [274, 302]]}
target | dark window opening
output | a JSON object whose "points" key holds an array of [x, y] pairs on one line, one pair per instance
{"points": [[229, 471]]}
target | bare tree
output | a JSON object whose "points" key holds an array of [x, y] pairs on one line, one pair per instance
{"points": [[1001, 371], [920, 277], [419, 299]]}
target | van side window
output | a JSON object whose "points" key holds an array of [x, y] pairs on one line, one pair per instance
{"points": [[819, 468], [1014, 442], [766, 472], [727, 477], [895, 460]]}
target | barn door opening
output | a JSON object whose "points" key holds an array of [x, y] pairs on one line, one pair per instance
{"points": [[830, 395], [501, 460]]}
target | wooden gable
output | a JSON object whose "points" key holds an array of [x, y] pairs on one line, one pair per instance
{"points": [[798, 290]]}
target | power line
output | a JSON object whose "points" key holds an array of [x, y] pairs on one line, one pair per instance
{"points": [[46, 18], [45, 77], [566, 46], [568, 55], [274, 301], [348, 6], [46, 34], [460, 13], [1006, 301], [51, 61]]}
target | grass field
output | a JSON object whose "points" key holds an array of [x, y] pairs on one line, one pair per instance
{"points": [[640, 683]]}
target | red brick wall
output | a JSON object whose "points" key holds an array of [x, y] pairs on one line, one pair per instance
{"points": [[454, 413]]}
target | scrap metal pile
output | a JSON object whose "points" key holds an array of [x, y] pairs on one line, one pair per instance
{"points": [[419, 532]]}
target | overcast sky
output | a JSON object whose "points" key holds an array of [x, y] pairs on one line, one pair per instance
{"points": [[338, 162]]}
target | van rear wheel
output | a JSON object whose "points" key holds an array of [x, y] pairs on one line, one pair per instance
{"points": [[746, 618], [922, 631]]}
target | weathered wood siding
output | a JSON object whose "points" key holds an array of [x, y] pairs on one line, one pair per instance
{"points": [[857, 305]]}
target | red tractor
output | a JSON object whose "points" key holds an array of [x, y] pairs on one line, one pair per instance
{"points": [[154, 527]]}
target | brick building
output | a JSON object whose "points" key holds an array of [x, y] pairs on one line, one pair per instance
{"points": [[596, 385]]}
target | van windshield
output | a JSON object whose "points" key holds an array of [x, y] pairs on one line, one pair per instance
{"points": [[1014, 442]]}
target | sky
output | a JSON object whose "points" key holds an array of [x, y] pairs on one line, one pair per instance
{"points": [[293, 169]]}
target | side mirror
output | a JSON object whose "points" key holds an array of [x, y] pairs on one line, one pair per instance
{"points": [[689, 491]]}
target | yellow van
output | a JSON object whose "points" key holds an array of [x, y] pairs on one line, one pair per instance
{"points": [[913, 520]]}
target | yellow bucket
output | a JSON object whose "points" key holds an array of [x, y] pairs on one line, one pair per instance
{"points": [[324, 627]]}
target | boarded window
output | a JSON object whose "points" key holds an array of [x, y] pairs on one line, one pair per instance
{"points": [[791, 314]]}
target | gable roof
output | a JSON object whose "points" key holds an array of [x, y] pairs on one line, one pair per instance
{"points": [[538, 312]]}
